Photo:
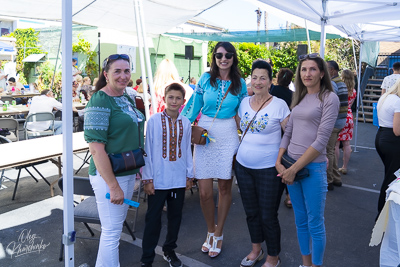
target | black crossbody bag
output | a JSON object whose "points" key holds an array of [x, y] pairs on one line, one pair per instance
{"points": [[288, 161], [129, 160]]}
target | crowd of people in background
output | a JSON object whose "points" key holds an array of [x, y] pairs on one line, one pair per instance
{"points": [[256, 132]]}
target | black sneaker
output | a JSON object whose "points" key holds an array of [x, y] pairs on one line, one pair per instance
{"points": [[172, 259], [146, 264]]}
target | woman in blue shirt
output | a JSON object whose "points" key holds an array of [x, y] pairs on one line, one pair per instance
{"points": [[214, 161]]}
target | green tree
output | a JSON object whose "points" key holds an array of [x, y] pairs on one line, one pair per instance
{"points": [[27, 42], [341, 50], [85, 48], [46, 72]]}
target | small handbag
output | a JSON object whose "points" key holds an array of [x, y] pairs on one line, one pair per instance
{"points": [[129, 160], [288, 161], [199, 134]]}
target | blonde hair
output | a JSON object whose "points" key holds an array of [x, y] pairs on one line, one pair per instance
{"points": [[87, 78], [140, 88], [348, 79], [95, 81], [394, 90], [79, 79], [166, 73]]}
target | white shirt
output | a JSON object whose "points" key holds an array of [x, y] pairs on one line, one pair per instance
{"points": [[389, 81], [3, 81], [167, 173], [42, 103], [131, 92], [260, 146], [386, 112]]}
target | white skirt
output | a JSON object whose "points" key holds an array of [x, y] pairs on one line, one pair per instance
{"points": [[215, 159]]}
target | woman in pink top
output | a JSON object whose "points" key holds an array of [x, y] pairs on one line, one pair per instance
{"points": [[314, 111]]}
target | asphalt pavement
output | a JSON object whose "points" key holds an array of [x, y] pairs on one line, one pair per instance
{"points": [[35, 217]]}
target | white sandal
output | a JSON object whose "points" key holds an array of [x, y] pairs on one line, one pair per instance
{"points": [[207, 243], [214, 246]]}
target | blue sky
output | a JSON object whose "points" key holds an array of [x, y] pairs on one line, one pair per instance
{"points": [[238, 15]]}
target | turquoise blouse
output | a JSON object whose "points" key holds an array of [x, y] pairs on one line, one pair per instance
{"points": [[113, 121], [207, 99]]}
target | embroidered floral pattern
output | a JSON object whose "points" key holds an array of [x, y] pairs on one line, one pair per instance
{"points": [[258, 124], [97, 118], [127, 108]]}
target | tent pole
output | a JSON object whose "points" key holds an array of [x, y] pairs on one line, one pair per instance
{"points": [[98, 51], [68, 183], [141, 56], [308, 37], [55, 67], [323, 33], [323, 37], [147, 57], [358, 95], [354, 54]]}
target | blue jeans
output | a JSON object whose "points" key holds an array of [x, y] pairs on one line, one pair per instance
{"points": [[308, 198], [57, 127]]}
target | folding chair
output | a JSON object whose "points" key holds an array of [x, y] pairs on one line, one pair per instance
{"points": [[85, 161], [86, 211], [140, 105], [38, 117], [5, 98], [12, 126]]}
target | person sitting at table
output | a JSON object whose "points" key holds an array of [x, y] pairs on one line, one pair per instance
{"points": [[87, 84], [76, 91], [45, 103], [14, 87]]}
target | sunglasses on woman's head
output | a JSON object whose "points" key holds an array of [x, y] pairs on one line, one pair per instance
{"points": [[313, 55], [228, 55], [115, 57]]}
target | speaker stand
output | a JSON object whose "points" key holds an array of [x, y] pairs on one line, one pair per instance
{"points": [[188, 79]]}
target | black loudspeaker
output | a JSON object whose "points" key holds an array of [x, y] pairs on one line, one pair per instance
{"points": [[189, 52], [302, 49]]}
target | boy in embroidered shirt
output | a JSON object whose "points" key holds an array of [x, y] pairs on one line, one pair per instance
{"points": [[167, 173]]}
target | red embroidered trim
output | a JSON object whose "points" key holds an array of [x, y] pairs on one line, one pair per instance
{"points": [[164, 136]]}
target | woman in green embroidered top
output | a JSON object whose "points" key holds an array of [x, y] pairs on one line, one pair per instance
{"points": [[111, 126]]}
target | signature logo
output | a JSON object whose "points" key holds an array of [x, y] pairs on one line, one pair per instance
{"points": [[27, 243]]}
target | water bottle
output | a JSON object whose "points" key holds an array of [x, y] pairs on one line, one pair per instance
{"points": [[29, 102]]}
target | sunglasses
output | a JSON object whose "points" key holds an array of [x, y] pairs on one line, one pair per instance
{"points": [[313, 55], [228, 55], [115, 57]]}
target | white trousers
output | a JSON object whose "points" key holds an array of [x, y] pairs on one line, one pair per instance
{"points": [[112, 217]]}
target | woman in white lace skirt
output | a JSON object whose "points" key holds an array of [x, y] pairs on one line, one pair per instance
{"points": [[218, 95]]}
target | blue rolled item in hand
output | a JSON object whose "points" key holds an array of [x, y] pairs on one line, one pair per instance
{"points": [[127, 201]]}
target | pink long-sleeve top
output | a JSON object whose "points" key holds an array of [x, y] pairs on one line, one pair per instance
{"points": [[310, 124]]}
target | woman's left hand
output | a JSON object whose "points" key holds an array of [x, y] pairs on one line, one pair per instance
{"points": [[288, 176]]}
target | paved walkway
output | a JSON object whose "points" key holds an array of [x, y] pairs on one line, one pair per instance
{"points": [[350, 214]]}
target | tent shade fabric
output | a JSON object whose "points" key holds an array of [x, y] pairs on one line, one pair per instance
{"points": [[281, 35], [161, 16], [33, 58], [6, 48]]}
